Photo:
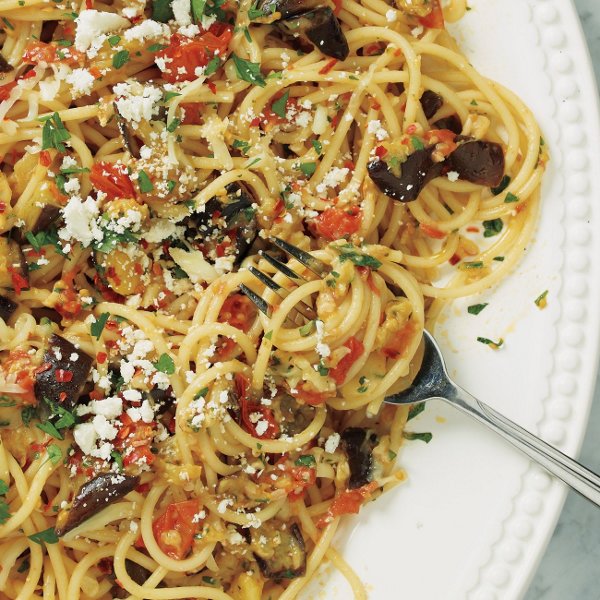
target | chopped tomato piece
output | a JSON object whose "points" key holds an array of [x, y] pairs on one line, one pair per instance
{"points": [[397, 345], [139, 455], [435, 19], [185, 55], [301, 479], [112, 179], [311, 397], [347, 503], [37, 52], [174, 530], [356, 348], [192, 113], [238, 311], [19, 282], [335, 223], [444, 137], [254, 416], [6, 89]]}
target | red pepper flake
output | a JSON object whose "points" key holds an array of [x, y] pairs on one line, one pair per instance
{"points": [[2, 207], [328, 66], [101, 357], [156, 269], [432, 231], [96, 395], [45, 158], [374, 104], [19, 282], [212, 87], [411, 129], [89, 4], [473, 229], [255, 122], [62, 396], [63, 376], [454, 260], [138, 269], [349, 165], [380, 152]]}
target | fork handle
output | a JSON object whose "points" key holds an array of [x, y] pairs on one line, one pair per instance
{"points": [[573, 473]]}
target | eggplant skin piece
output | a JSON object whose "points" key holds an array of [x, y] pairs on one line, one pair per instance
{"points": [[286, 8], [47, 216], [46, 384], [138, 573], [479, 162], [5, 67], [285, 551], [240, 222], [321, 27], [359, 444], [7, 307], [431, 103], [452, 123], [416, 172], [92, 497]]}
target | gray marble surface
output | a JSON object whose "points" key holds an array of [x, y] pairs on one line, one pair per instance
{"points": [[570, 569]]}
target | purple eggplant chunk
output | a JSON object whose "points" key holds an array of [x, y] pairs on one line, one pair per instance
{"points": [[93, 496], [47, 216], [452, 123], [7, 307], [479, 162], [431, 103], [359, 444], [138, 573], [415, 173], [73, 364], [129, 140], [286, 8], [279, 551], [319, 27], [5, 66]]}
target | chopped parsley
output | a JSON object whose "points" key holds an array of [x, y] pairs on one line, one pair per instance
{"points": [[54, 454], [306, 460], [54, 133], [4, 512], [113, 40], [279, 106], [493, 345], [475, 309], [120, 58], [162, 11], [165, 364], [241, 145], [542, 300], [307, 329], [50, 429], [492, 228], [144, 182], [198, 10], [316, 144], [173, 125], [510, 197], [97, 326], [48, 536], [411, 435], [348, 252], [248, 71], [212, 66], [415, 410], [417, 143], [169, 95], [308, 168]]}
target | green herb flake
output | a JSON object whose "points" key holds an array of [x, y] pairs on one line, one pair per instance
{"points": [[478, 264], [279, 106], [4, 487], [162, 11], [8, 23], [269, 335], [493, 345], [510, 197], [113, 40], [28, 413], [307, 329], [417, 143], [306, 460], [492, 228], [423, 437], [308, 168], [212, 66], [98, 325], [169, 95], [24, 566], [241, 145], [248, 71], [321, 369], [50, 429], [360, 260], [157, 48], [209, 580], [116, 456], [198, 10], [48, 536], [475, 309], [120, 58], [316, 144], [165, 364], [54, 133], [173, 125], [415, 410], [54, 454], [144, 182], [498, 258]]}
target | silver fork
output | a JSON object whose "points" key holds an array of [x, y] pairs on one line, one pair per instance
{"points": [[433, 382]]}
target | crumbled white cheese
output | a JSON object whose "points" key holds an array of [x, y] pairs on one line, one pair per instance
{"points": [[332, 179], [453, 175], [92, 23], [391, 15], [332, 442], [182, 12], [147, 29], [321, 348], [81, 82], [376, 128], [80, 221], [136, 101]]}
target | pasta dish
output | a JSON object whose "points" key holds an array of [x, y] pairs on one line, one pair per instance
{"points": [[188, 404]]}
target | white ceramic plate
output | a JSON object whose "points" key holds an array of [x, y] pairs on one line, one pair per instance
{"points": [[474, 517]]}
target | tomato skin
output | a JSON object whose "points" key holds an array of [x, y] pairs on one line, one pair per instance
{"points": [[174, 530], [435, 19], [193, 113], [397, 346], [347, 503], [444, 137], [112, 179], [238, 311], [336, 223], [39, 52], [247, 408], [302, 479], [339, 373], [188, 54]]}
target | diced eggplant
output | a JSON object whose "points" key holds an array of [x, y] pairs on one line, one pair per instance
{"points": [[48, 214], [48, 29], [226, 227], [93, 496], [286, 8], [7, 307], [13, 266], [43, 312], [138, 573], [129, 140], [66, 372], [415, 173], [453, 123], [292, 416], [5, 66], [279, 551], [431, 103], [358, 444], [321, 28], [479, 162]]}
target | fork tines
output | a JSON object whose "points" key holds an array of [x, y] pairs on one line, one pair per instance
{"points": [[310, 262]]}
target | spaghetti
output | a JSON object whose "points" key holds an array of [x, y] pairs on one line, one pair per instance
{"points": [[160, 437]]}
